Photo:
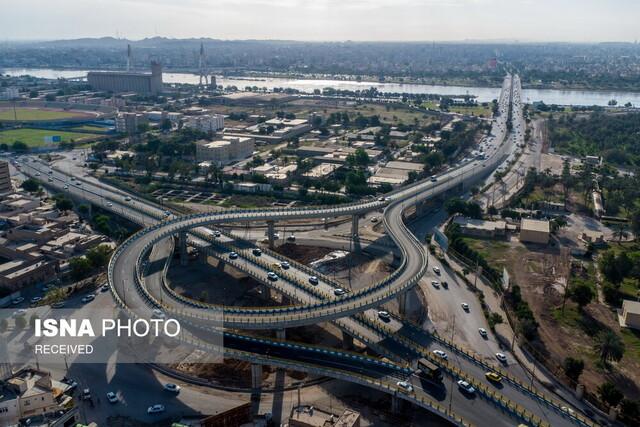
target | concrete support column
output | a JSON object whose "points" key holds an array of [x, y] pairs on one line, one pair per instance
{"points": [[396, 404], [281, 334], [271, 233], [347, 341], [354, 224], [182, 241], [403, 303], [256, 376]]}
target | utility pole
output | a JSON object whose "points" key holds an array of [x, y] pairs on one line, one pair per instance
{"points": [[453, 329]]}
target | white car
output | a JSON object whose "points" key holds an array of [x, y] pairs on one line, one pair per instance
{"points": [[435, 284], [483, 332], [216, 233], [441, 354], [88, 298], [127, 199], [501, 357], [339, 292], [155, 409], [291, 238], [436, 270], [466, 387], [313, 280], [465, 306], [158, 314], [36, 300], [17, 301], [285, 265], [110, 204], [384, 315], [66, 187], [174, 388], [19, 313], [233, 255], [112, 398], [272, 276], [404, 385]]}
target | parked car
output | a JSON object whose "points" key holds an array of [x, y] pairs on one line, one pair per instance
{"points": [[501, 357], [17, 300], [465, 306], [483, 332]]}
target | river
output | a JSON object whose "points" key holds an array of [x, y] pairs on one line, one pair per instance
{"points": [[483, 94]]}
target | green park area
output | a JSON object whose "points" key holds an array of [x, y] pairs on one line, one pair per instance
{"points": [[35, 137], [33, 114]]}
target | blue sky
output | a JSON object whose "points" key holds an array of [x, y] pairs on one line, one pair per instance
{"points": [[523, 20]]}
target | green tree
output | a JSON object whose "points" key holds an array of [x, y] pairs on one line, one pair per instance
{"points": [[99, 256], [610, 394], [573, 367], [630, 409], [31, 185], [635, 222], [581, 294], [19, 147], [63, 204], [80, 267], [610, 347]]}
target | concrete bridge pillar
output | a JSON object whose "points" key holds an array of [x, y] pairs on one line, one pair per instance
{"points": [[256, 376], [182, 241], [354, 224], [396, 404], [271, 233], [403, 303], [347, 341], [281, 334]]}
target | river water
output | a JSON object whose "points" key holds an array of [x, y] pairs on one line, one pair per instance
{"points": [[483, 94]]}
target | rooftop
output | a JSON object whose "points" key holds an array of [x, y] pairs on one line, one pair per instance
{"points": [[535, 225]]}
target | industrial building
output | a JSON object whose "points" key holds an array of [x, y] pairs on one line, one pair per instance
{"points": [[534, 231], [224, 150], [127, 81]]}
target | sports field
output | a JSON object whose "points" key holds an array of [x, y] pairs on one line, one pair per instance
{"points": [[35, 137], [35, 114]]}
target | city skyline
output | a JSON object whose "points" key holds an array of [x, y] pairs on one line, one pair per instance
{"points": [[327, 20]]}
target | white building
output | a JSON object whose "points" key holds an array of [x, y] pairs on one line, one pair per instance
{"points": [[224, 150], [209, 123]]}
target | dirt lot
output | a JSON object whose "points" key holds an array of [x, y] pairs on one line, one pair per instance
{"points": [[541, 273]]}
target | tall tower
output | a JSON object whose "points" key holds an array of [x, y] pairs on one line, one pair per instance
{"points": [[128, 57], [202, 67]]}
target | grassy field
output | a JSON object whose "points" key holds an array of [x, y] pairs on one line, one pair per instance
{"points": [[29, 114], [35, 137]]}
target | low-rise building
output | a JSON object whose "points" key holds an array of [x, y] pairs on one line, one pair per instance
{"points": [[322, 170], [27, 393], [224, 150], [481, 228], [252, 187], [629, 315], [535, 231], [309, 416]]}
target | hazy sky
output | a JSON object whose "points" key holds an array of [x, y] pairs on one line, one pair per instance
{"points": [[526, 20]]}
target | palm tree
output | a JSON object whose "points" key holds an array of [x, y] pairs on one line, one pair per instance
{"points": [[610, 347], [620, 232]]}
